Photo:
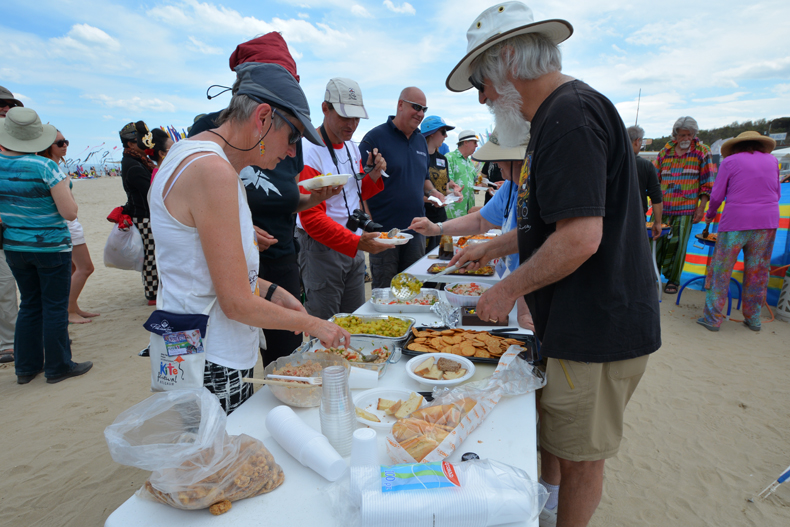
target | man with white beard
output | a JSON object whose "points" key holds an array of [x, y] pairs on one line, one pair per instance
{"points": [[686, 171], [585, 268]]}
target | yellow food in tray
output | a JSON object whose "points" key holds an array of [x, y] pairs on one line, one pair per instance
{"points": [[389, 327]]}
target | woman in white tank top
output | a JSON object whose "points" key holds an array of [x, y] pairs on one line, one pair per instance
{"points": [[206, 247]]}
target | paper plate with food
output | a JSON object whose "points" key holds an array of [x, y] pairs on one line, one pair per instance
{"points": [[399, 239], [440, 369], [324, 180], [382, 407]]}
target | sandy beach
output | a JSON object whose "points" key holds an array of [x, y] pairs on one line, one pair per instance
{"points": [[706, 429]]}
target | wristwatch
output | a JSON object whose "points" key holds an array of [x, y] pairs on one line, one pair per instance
{"points": [[270, 292]]}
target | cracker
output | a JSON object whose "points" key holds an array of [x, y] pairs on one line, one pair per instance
{"points": [[481, 353], [468, 351], [448, 332]]}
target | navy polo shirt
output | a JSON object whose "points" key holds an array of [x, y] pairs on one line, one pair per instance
{"points": [[407, 167]]}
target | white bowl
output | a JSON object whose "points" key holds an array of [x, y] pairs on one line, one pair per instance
{"points": [[462, 300], [417, 360], [368, 400]]}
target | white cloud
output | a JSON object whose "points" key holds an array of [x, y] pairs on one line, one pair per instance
{"points": [[133, 104], [405, 8], [303, 15], [205, 48], [360, 11]]}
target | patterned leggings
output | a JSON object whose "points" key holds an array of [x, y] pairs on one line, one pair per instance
{"points": [[757, 247], [227, 385], [150, 276]]}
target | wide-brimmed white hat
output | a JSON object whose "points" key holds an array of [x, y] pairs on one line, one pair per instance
{"points": [[496, 24], [467, 135], [22, 131], [346, 98], [766, 142], [491, 151]]}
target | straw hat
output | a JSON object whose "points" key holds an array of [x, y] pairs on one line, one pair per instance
{"points": [[491, 151], [496, 24], [767, 143], [22, 131]]}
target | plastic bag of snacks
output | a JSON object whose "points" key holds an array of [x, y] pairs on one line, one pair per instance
{"points": [[478, 493], [180, 436], [433, 432]]}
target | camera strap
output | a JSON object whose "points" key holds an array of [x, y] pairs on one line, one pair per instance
{"points": [[331, 149]]}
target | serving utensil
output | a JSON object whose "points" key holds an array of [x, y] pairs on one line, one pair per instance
{"points": [[365, 358], [705, 230], [308, 380], [452, 268], [253, 380], [399, 286]]}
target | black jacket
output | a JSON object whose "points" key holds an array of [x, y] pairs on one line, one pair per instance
{"points": [[136, 182]]}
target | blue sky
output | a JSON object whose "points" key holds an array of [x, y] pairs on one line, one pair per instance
{"points": [[90, 66]]}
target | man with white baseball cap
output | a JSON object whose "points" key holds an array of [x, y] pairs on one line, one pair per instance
{"points": [[585, 268], [332, 239], [463, 172]]}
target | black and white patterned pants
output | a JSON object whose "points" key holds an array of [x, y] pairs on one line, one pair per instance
{"points": [[227, 385], [150, 277]]}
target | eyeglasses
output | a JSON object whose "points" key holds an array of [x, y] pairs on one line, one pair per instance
{"points": [[417, 107], [479, 86], [61, 143], [296, 135]]}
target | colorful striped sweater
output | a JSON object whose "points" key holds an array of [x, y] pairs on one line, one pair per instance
{"points": [[686, 178]]}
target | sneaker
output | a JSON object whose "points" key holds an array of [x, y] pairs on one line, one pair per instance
{"points": [[753, 328], [701, 322], [80, 368], [548, 518]]}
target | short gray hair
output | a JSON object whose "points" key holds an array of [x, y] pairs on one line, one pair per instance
{"points": [[685, 123], [526, 57], [240, 109], [636, 132]]}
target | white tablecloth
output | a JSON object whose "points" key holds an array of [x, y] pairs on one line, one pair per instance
{"points": [[507, 435]]}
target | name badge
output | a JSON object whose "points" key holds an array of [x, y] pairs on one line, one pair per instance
{"points": [[440, 163], [183, 342]]}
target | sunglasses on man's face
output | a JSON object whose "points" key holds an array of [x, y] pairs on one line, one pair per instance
{"points": [[478, 85], [417, 107], [61, 143], [296, 135], [7, 104]]}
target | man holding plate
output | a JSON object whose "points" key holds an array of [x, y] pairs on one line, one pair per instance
{"points": [[335, 234]]}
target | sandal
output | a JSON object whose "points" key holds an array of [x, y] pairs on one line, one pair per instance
{"points": [[671, 289]]}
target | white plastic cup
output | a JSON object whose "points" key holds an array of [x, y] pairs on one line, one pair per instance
{"points": [[359, 378], [364, 448], [288, 429], [319, 456]]}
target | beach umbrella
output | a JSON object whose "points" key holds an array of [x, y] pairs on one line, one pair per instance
{"points": [[775, 485]]}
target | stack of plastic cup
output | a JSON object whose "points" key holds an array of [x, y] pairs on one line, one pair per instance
{"points": [[364, 448], [309, 447], [338, 419]]}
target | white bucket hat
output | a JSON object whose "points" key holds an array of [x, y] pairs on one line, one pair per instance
{"points": [[491, 151], [346, 98], [496, 24], [22, 131], [467, 135]]}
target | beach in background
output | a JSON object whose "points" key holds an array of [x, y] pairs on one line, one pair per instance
{"points": [[706, 429]]}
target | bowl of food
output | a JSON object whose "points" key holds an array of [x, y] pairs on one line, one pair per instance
{"points": [[401, 238], [464, 294], [383, 351], [440, 369], [309, 364]]}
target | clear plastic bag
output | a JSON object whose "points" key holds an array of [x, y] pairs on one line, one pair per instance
{"points": [[124, 249], [180, 436], [433, 432], [482, 493]]}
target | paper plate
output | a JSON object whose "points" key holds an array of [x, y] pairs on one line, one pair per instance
{"points": [[481, 188], [327, 181], [368, 400], [402, 239]]}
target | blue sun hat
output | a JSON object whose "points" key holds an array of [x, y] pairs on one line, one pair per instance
{"points": [[432, 123]]}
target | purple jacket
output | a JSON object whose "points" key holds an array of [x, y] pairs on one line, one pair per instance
{"points": [[750, 182]]}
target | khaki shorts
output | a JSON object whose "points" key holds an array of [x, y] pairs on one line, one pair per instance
{"points": [[586, 423]]}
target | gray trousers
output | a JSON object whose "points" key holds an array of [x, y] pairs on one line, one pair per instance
{"points": [[8, 304], [333, 282], [386, 264]]}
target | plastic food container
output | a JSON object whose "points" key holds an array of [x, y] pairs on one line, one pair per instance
{"points": [[298, 396], [419, 359], [366, 345], [397, 341], [463, 300]]}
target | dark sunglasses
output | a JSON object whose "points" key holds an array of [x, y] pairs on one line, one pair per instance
{"points": [[61, 143], [479, 86], [417, 107], [296, 135], [443, 131], [4, 103]]}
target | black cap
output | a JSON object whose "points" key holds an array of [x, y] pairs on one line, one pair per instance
{"points": [[128, 132], [272, 83]]}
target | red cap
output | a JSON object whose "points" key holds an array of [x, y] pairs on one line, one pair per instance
{"points": [[269, 48]]}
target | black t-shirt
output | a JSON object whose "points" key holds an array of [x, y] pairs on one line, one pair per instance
{"points": [[648, 181], [136, 179], [271, 194], [437, 172], [580, 164]]}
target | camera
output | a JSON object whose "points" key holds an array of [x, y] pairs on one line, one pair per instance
{"points": [[359, 219]]}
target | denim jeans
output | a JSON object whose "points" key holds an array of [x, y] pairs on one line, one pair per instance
{"points": [[44, 281]]}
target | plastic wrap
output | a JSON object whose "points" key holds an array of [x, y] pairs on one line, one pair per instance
{"points": [[474, 493], [180, 436], [433, 432]]}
